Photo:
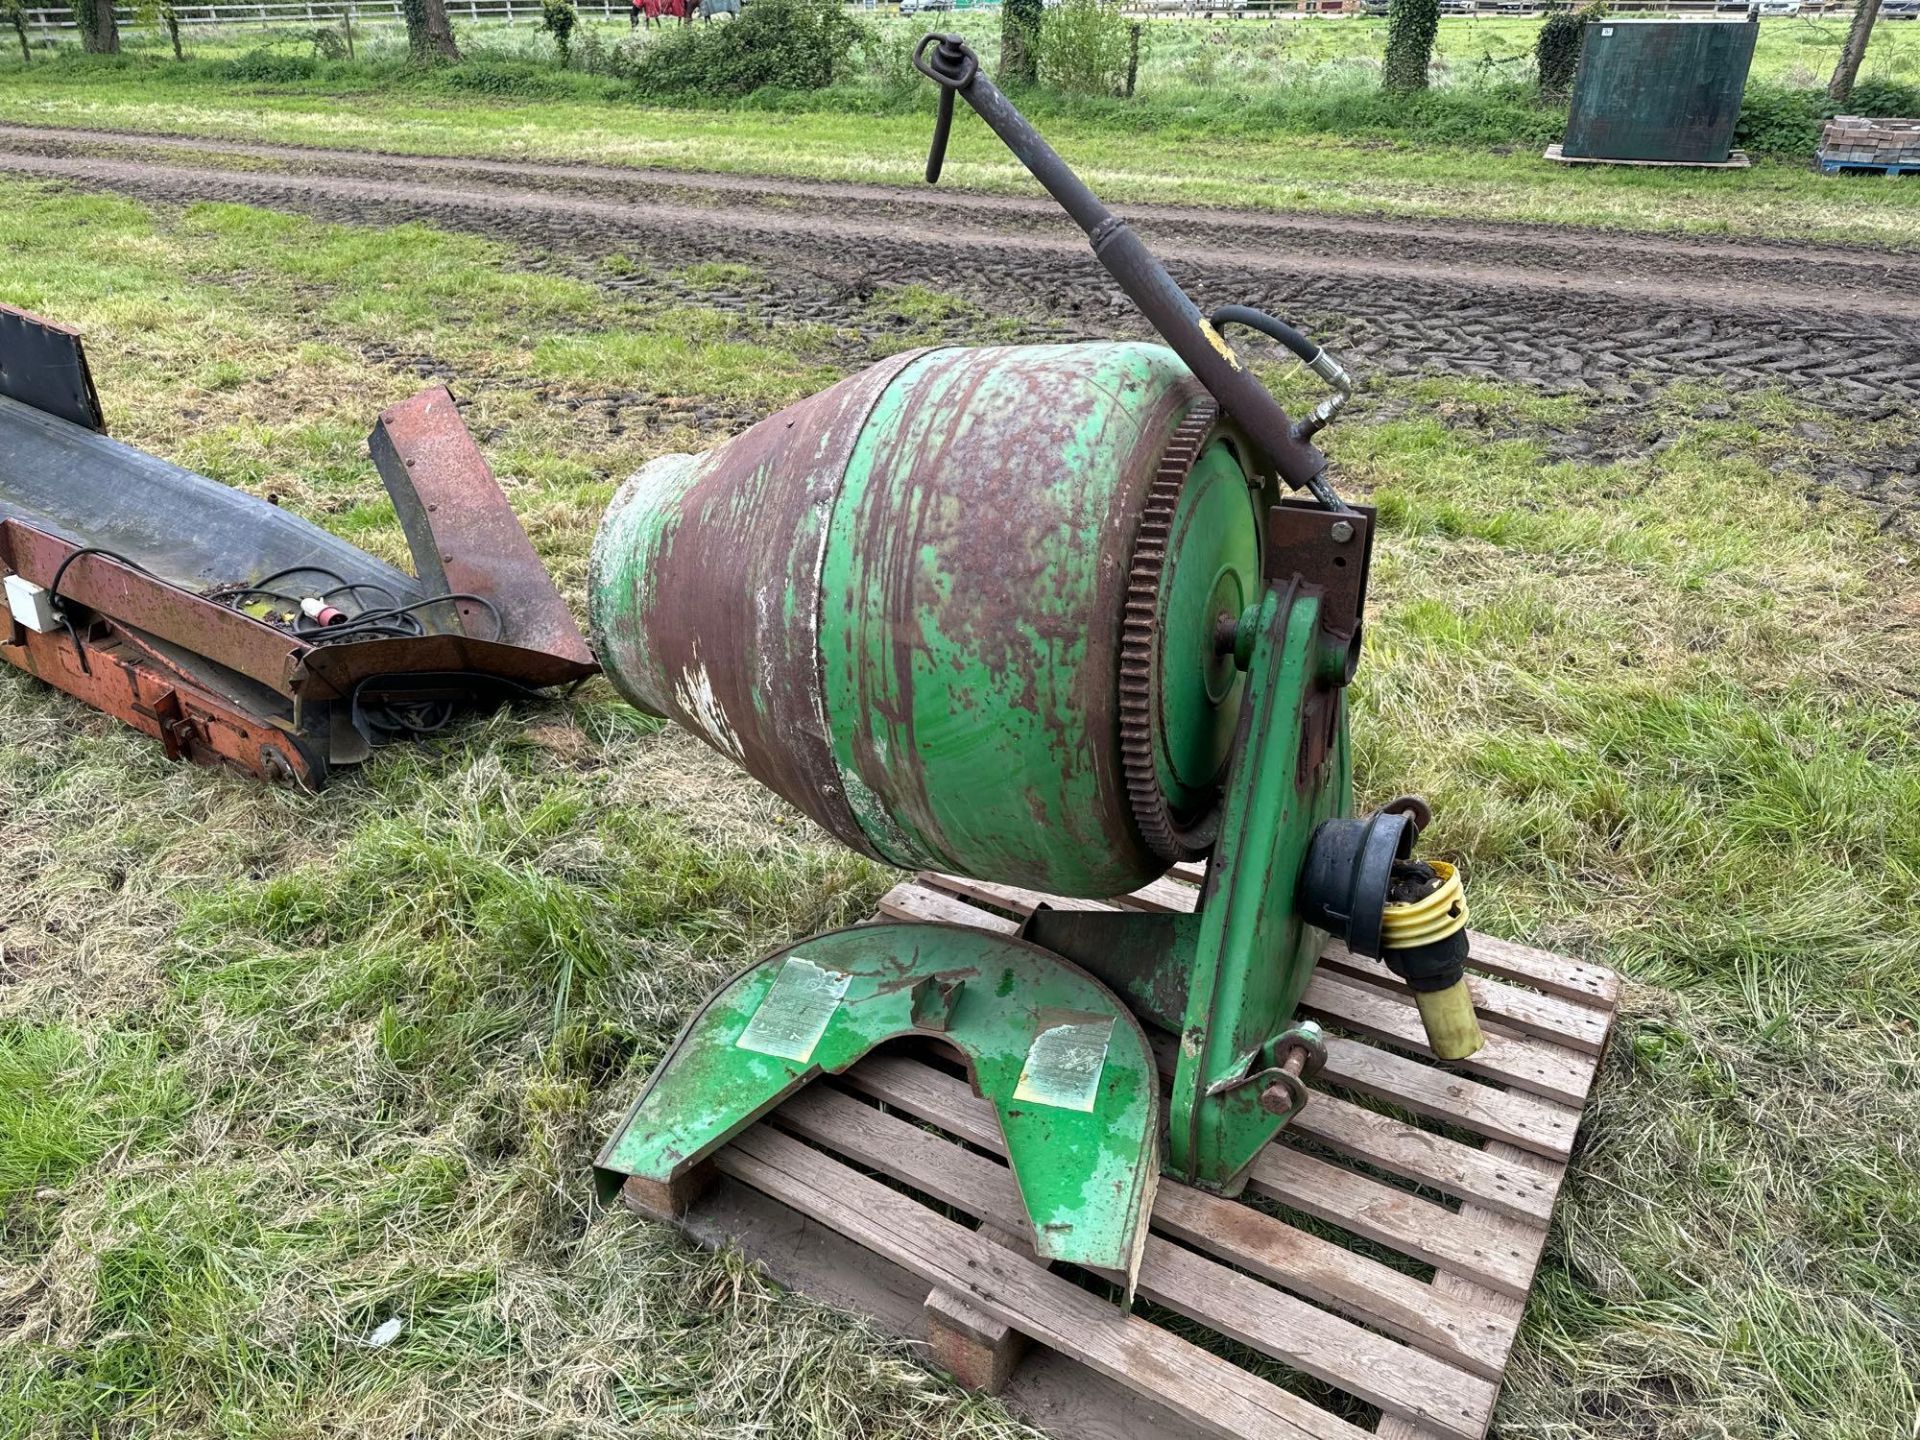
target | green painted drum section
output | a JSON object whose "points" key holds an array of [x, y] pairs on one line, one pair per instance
{"points": [[900, 605], [1065, 1065], [972, 596], [1212, 574]]}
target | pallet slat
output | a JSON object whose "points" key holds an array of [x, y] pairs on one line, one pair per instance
{"points": [[1411, 1225], [1736, 160], [1318, 1269], [1218, 1396], [921, 902], [1165, 894], [1383, 1372], [980, 1350], [1049, 1389], [1393, 1427], [1531, 1065], [1431, 1160], [1428, 1355], [1554, 974], [1523, 1120], [1016, 898]]}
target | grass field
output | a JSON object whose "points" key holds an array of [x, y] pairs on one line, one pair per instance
{"points": [[1278, 115], [278, 1069]]}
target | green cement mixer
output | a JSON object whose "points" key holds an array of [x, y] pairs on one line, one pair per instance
{"points": [[1045, 616]]}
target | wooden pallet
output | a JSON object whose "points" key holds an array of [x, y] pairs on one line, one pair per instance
{"points": [[1868, 167], [1280, 1273], [1736, 160]]}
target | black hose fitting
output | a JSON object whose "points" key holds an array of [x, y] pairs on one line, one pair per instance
{"points": [[1348, 872]]}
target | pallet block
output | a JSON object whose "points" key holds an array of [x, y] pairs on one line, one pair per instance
{"points": [[885, 1191], [1736, 160]]}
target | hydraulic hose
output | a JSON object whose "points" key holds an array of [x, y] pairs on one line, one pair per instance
{"points": [[1315, 356], [1268, 325]]}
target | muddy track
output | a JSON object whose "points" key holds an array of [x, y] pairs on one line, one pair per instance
{"points": [[1615, 315]]}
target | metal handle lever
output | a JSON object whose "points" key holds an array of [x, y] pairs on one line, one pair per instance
{"points": [[952, 68], [1276, 447]]}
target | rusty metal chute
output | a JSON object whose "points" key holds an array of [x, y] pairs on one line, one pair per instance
{"points": [[147, 590]]}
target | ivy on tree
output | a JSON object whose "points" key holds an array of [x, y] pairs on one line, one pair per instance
{"points": [[99, 32], [557, 18], [15, 13], [1411, 26], [1556, 51], [1019, 30], [429, 32]]}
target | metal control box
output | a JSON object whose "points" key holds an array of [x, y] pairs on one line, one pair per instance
{"points": [[30, 605]]}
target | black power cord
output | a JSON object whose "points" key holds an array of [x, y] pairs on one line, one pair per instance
{"points": [[53, 593], [392, 621], [396, 718]]}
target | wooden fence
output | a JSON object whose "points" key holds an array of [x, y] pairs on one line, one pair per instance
{"points": [[267, 14]]}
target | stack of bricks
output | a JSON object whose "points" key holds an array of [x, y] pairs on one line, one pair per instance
{"points": [[1858, 140]]}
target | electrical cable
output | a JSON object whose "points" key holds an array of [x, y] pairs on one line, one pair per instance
{"points": [[53, 593], [387, 719], [392, 623], [381, 721]]}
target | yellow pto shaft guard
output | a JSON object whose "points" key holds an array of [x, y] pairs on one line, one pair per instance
{"points": [[1453, 1030]]}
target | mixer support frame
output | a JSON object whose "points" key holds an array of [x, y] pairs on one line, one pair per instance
{"points": [[1388, 1128]]}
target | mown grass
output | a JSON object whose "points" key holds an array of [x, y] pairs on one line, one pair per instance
{"points": [[276, 1070], [1281, 115]]}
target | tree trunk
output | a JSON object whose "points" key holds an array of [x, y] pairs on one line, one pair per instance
{"points": [[429, 35], [19, 18], [1840, 88], [1411, 26], [99, 32], [173, 31], [1019, 31]]}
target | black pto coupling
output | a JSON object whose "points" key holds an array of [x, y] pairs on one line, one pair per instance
{"points": [[1361, 883]]}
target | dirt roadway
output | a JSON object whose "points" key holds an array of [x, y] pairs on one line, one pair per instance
{"points": [[1616, 316]]}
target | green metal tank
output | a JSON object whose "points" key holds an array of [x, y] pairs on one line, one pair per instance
{"points": [[1659, 90], [971, 610]]}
